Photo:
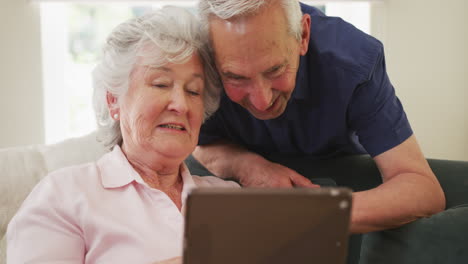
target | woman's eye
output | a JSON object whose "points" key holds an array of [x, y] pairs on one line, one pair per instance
{"points": [[192, 92], [160, 85]]}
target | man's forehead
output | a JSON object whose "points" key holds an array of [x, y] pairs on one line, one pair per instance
{"points": [[249, 66]]}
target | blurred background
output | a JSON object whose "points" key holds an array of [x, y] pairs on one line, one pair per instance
{"points": [[48, 49]]}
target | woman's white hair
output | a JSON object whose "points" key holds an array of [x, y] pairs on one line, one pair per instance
{"points": [[168, 35], [227, 9]]}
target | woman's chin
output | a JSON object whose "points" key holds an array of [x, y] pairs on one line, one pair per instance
{"points": [[175, 151]]}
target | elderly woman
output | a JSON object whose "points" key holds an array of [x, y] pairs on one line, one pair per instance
{"points": [[153, 89]]}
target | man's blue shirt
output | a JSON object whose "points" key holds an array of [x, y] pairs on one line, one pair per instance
{"points": [[343, 102]]}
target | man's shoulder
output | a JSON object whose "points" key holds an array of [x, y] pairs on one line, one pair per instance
{"points": [[313, 11], [337, 43]]}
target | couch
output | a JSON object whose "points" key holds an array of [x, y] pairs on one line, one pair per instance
{"points": [[442, 238], [22, 167]]}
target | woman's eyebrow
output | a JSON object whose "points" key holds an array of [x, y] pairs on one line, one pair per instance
{"points": [[162, 68], [198, 75]]}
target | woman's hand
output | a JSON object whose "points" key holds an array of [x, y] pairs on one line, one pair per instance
{"points": [[176, 260]]}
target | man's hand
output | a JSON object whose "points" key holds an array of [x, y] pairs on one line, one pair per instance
{"points": [[259, 172], [228, 160]]}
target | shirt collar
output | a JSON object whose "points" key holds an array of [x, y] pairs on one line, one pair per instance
{"points": [[117, 172], [187, 178], [115, 169]]}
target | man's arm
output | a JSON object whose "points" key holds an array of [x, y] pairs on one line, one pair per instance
{"points": [[409, 191], [228, 160]]}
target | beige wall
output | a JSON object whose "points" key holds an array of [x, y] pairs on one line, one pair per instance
{"points": [[427, 57], [21, 107], [426, 47]]}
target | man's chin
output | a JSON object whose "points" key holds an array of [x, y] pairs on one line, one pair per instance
{"points": [[267, 115], [273, 112]]}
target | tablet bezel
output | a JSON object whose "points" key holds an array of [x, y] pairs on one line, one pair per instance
{"points": [[264, 225]]}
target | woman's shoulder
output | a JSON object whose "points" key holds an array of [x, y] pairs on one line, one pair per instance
{"points": [[212, 181], [58, 191], [75, 174], [65, 183]]}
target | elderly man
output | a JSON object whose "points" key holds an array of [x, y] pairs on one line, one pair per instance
{"points": [[302, 83]]}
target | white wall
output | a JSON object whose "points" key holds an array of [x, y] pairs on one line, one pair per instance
{"points": [[427, 57], [21, 107], [426, 47]]}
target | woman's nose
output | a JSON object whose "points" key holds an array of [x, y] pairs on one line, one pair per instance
{"points": [[178, 100]]}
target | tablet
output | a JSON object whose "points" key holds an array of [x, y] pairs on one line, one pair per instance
{"points": [[252, 225]]}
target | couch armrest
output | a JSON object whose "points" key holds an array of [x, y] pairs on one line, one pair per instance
{"points": [[440, 238], [453, 177]]}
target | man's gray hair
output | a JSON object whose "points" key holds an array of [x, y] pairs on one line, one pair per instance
{"points": [[167, 35], [227, 9]]}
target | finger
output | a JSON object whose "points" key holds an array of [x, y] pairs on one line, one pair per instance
{"points": [[301, 181], [176, 260], [281, 182]]}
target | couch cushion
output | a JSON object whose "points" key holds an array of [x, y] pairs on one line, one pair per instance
{"points": [[20, 169], [3, 250], [441, 238], [72, 151]]}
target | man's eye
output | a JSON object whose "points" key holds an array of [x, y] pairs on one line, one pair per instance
{"points": [[276, 72]]}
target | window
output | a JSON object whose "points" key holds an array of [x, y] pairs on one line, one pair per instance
{"points": [[72, 37]]}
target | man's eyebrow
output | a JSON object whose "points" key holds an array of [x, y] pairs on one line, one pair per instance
{"points": [[275, 68], [229, 74]]}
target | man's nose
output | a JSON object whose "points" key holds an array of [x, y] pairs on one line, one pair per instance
{"points": [[261, 94]]}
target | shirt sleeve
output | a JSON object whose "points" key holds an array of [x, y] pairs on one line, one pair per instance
{"points": [[43, 231], [376, 113]]}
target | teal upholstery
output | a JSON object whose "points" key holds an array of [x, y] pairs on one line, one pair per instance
{"points": [[442, 238]]}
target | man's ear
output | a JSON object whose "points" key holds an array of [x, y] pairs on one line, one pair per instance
{"points": [[305, 34]]}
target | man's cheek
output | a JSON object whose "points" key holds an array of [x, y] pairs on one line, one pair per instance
{"points": [[284, 84], [235, 93]]}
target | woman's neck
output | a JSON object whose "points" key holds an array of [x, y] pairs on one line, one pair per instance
{"points": [[159, 173]]}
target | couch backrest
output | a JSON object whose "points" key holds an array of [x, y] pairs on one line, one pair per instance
{"points": [[21, 168]]}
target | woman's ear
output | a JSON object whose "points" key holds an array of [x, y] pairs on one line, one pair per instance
{"points": [[305, 34], [112, 106]]}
